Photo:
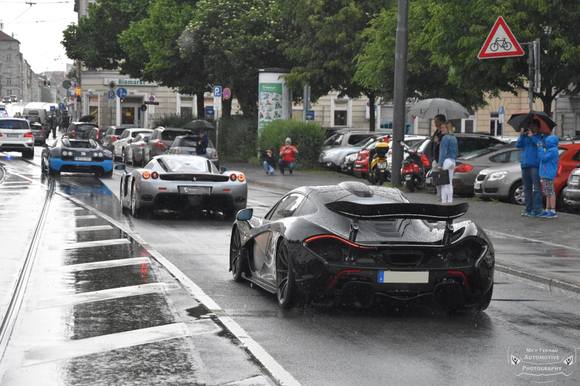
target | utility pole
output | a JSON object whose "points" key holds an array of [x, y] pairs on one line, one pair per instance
{"points": [[400, 95]]}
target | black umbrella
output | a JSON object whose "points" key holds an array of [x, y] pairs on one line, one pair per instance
{"points": [[522, 120], [87, 118], [199, 124]]}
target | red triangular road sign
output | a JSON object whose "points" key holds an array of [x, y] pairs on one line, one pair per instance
{"points": [[500, 43]]}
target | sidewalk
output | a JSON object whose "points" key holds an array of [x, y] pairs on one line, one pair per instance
{"points": [[546, 251], [101, 308]]}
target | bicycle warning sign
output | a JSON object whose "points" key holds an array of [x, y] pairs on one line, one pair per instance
{"points": [[500, 43]]}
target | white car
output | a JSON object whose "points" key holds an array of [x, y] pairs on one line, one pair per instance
{"points": [[125, 139], [16, 135]]}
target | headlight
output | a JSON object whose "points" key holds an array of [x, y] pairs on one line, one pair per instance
{"points": [[497, 176], [100, 155], [66, 153], [107, 153]]}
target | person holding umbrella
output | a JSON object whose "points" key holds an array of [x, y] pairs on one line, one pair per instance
{"points": [[529, 141], [447, 156]]}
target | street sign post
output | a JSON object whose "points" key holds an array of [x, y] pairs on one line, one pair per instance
{"points": [[122, 92], [310, 115], [500, 43], [217, 91], [110, 94]]}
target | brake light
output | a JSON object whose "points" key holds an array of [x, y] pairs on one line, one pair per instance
{"points": [[425, 160], [146, 175], [463, 168], [410, 168], [155, 175], [28, 135], [241, 177], [233, 177], [114, 138], [160, 145], [334, 237]]}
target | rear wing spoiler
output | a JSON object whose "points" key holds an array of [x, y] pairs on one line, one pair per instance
{"points": [[431, 212]]}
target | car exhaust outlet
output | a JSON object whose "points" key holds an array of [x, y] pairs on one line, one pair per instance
{"points": [[449, 293]]}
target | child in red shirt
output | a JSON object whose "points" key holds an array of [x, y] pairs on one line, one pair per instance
{"points": [[288, 154]]}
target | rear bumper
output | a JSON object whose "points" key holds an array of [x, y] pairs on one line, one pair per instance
{"points": [[17, 146], [58, 164]]}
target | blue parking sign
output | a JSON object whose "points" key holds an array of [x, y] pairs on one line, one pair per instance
{"points": [[122, 92], [52, 109], [217, 91]]}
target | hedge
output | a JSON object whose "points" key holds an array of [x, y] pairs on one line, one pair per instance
{"points": [[306, 136], [237, 140]]}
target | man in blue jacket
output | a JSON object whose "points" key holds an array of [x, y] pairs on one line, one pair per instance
{"points": [[549, 156], [529, 141]]}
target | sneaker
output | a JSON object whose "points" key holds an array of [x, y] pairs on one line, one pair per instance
{"points": [[545, 213], [526, 214], [551, 215]]}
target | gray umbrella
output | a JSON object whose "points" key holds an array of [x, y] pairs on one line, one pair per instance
{"points": [[428, 108], [199, 124]]}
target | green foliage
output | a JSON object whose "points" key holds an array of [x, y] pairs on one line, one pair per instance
{"points": [[172, 120], [237, 138], [235, 38], [306, 136]]}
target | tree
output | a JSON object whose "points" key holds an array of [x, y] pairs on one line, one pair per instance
{"points": [[325, 38], [94, 41], [154, 39], [455, 41], [236, 38]]}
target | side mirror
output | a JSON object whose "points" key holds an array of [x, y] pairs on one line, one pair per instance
{"points": [[121, 167], [223, 169], [245, 214]]}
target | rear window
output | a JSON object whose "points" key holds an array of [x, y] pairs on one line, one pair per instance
{"points": [[14, 124], [80, 144], [169, 135], [119, 131], [333, 140], [136, 133], [186, 142], [85, 127], [357, 138], [185, 164]]}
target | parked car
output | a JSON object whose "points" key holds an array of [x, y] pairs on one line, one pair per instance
{"points": [[188, 144], [134, 152], [468, 167], [333, 158], [125, 139], [349, 137], [161, 140], [40, 132], [111, 134], [506, 182], [80, 130], [571, 193], [16, 135]]}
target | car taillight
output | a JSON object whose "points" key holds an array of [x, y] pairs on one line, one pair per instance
{"points": [[155, 175], [237, 177], [233, 177], [241, 177], [114, 138], [28, 135], [160, 145], [463, 168], [425, 160], [146, 175], [332, 248], [410, 168]]}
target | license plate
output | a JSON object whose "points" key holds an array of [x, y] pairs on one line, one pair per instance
{"points": [[403, 277], [195, 190], [82, 158], [13, 135], [382, 165], [408, 177]]}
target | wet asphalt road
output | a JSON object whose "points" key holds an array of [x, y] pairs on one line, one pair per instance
{"points": [[414, 345]]}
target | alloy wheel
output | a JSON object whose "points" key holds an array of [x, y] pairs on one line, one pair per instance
{"points": [[284, 278], [236, 255]]}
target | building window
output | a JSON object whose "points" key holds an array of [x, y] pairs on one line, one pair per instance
{"points": [[94, 112], [128, 115], [468, 124], [340, 118], [495, 126]]}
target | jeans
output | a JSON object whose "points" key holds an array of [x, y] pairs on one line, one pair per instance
{"points": [[286, 165], [532, 191], [268, 168]]}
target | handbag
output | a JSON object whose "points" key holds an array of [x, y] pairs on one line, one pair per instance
{"points": [[440, 177]]}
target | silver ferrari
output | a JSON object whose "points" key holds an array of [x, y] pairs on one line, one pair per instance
{"points": [[183, 183]]}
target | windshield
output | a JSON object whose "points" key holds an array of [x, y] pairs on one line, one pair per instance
{"points": [[364, 142], [186, 164], [85, 127], [80, 144], [334, 140], [14, 124], [169, 135], [478, 153]]}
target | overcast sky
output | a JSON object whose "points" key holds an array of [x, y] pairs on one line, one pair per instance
{"points": [[39, 29]]}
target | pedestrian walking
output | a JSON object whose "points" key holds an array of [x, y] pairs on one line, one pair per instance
{"points": [[447, 158], [288, 153], [268, 162], [548, 155], [52, 125], [529, 141]]}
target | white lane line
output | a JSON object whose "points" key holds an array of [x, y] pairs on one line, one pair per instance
{"points": [[103, 343], [104, 264], [17, 183], [96, 243], [275, 369], [93, 228], [97, 296], [85, 217], [512, 236]]}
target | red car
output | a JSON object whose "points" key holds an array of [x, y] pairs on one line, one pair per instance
{"points": [[569, 160]]}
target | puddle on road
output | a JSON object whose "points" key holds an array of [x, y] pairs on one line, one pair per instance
{"points": [[106, 278], [109, 252]]}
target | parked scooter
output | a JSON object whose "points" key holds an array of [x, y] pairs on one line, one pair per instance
{"points": [[414, 170], [379, 167]]}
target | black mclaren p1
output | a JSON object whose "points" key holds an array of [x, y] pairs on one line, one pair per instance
{"points": [[355, 243]]}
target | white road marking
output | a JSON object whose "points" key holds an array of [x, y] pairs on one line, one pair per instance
{"points": [[16, 183], [97, 296], [85, 217], [276, 371], [508, 235], [96, 243], [103, 343], [104, 264], [93, 228]]}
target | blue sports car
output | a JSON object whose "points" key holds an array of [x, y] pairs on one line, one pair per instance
{"points": [[76, 155]]}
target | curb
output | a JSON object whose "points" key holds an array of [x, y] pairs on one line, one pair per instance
{"points": [[551, 285]]}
